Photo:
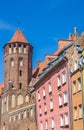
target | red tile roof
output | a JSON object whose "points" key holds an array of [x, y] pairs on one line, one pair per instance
{"points": [[18, 37], [1, 86]]}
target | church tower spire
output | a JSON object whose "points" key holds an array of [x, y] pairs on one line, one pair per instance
{"points": [[18, 61]]}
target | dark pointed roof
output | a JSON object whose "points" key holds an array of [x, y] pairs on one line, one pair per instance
{"points": [[18, 37]]}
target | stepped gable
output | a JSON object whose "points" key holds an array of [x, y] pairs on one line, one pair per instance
{"points": [[18, 37]]}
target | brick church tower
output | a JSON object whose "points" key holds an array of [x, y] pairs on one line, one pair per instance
{"points": [[18, 104], [18, 61]]}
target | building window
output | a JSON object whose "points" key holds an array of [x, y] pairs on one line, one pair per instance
{"points": [[74, 87], [60, 100], [75, 65], [63, 77], [46, 125], [65, 97], [13, 101], [44, 93], [19, 116], [40, 110], [19, 48], [80, 111], [75, 113], [51, 104], [66, 119], [58, 81], [21, 62], [45, 108], [20, 85], [20, 72], [14, 49], [25, 114], [61, 121], [12, 62], [27, 98], [10, 119], [4, 126], [24, 50], [79, 84], [20, 100], [50, 87], [41, 126], [31, 112], [28, 113], [52, 123], [10, 49], [39, 98]]}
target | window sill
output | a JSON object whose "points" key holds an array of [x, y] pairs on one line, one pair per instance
{"points": [[65, 103], [60, 106], [51, 109], [64, 83], [75, 119], [62, 126], [66, 125], [80, 117], [59, 87]]}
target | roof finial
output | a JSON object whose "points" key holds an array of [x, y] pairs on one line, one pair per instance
{"points": [[18, 24], [75, 30]]}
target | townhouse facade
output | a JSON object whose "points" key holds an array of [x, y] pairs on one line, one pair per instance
{"points": [[52, 95]]}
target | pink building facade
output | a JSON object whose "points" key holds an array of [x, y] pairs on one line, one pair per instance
{"points": [[52, 99]]}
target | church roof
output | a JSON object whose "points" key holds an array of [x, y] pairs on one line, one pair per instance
{"points": [[18, 37]]}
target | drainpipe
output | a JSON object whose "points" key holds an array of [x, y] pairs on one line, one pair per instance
{"points": [[69, 94]]}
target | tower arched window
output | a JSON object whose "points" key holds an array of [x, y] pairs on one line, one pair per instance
{"points": [[19, 49], [26, 98], [20, 61], [13, 101], [24, 49], [14, 49], [19, 99], [4, 126], [10, 49], [12, 62]]}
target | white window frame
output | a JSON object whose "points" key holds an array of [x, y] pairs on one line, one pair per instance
{"points": [[66, 119], [75, 112], [58, 80], [39, 96], [44, 92], [50, 87], [79, 84], [51, 104], [61, 120], [46, 125], [63, 77], [75, 65], [80, 111], [41, 126], [52, 123], [65, 97], [60, 100], [74, 87]]}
